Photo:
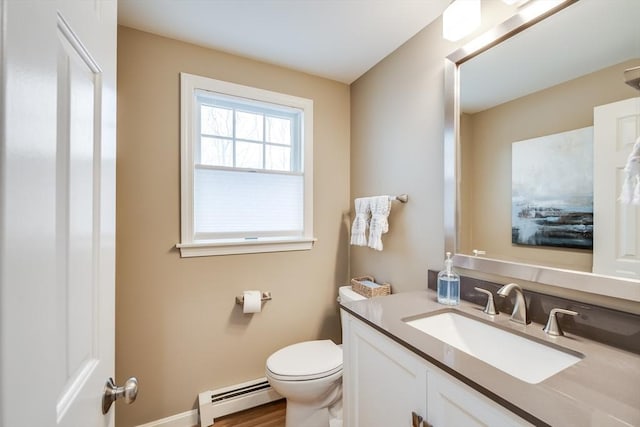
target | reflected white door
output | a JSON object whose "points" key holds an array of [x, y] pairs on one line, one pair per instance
{"points": [[616, 240], [57, 217]]}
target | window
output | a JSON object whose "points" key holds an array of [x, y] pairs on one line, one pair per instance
{"points": [[246, 169]]}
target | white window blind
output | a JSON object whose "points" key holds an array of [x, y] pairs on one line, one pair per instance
{"points": [[246, 169], [247, 205]]}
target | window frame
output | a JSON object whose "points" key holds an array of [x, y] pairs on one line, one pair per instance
{"points": [[190, 85]]}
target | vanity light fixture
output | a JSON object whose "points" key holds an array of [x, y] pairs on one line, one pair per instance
{"points": [[460, 19]]}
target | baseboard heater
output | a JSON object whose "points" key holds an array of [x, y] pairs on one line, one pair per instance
{"points": [[228, 400]]}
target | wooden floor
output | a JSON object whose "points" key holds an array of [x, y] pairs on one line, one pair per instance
{"points": [[269, 415]]}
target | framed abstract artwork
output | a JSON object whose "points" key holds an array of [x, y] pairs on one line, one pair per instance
{"points": [[552, 190]]}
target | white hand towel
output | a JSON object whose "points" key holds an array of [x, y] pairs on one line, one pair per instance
{"points": [[359, 227], [631, 187], [380, 209]]}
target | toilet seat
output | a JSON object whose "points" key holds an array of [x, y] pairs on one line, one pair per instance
{"points": [[319, 376], [307, 360]]}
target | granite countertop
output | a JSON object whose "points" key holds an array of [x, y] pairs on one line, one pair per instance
{"points": [[603, 389]]}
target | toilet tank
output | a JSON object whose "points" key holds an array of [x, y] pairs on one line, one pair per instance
{"points": [[345, 294]]}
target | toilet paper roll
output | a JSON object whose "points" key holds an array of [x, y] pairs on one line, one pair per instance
{"points": [[252, 302]]}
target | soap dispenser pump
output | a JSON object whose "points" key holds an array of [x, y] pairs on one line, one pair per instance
{"points": [[448, 284]]}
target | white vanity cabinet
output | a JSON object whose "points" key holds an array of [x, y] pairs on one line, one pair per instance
{"points": [[384, 384], [453, 404]]}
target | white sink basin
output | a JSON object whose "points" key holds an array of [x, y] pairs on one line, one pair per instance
{"points": [[520, 357]]}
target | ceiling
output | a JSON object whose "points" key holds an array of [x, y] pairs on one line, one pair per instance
{"points": [[335, 39]]}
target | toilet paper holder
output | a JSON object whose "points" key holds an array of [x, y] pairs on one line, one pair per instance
{"points": [[266, 296]]}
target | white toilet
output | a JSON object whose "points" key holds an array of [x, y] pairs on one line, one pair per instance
{"points": [[309, 376]]}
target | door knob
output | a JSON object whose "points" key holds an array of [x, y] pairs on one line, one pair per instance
{"points": [[415, 420], [112, 392]]}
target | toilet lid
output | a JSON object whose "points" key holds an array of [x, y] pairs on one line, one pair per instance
{"points": [[306, 360]]}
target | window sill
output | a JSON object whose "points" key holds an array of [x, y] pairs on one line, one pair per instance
{"points": [[188, 250]]}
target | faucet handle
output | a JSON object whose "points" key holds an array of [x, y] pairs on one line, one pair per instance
{"points": [[490, 308], [552, 327]]}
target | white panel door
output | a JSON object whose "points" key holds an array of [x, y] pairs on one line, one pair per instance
{"points": [[57, 217], [616, 239]]}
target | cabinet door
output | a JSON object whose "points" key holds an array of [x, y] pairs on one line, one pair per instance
{"points": [[383, 382], [454, 404]]}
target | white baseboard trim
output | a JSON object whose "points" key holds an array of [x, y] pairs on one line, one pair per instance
{"points": [[185, 419]]}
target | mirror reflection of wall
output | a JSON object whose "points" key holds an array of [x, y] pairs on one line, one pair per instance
{"points": [[543, 81]]}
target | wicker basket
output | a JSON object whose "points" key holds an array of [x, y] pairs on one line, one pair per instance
{"points": [[367, 291]]}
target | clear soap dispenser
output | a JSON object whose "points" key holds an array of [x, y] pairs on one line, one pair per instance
{"points": [[448, 284]]}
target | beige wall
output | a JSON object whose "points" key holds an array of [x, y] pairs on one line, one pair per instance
{"points": [[177, 326], [397, 128], [486, 173]]}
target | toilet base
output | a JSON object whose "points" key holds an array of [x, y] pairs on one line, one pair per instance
{"points": [[303, 415]]}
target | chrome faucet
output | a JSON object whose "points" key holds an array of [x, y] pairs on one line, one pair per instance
{"points": [[519, 313]]}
